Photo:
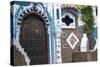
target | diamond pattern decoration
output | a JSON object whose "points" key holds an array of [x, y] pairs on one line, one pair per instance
{"points": [[72, 40]]}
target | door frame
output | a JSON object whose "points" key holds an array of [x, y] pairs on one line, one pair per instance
{"points": [[44, 18]]}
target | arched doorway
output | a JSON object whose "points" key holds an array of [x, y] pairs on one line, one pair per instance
{"points": [[34, 38]]}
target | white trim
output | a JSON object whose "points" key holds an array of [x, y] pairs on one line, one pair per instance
{"points": [[17, 44], [57, 33]]}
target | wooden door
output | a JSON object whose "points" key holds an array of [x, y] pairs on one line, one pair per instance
{"points": [[34, 39]]}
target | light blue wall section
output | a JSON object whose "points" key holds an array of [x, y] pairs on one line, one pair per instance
{"points": [[52, 36]]}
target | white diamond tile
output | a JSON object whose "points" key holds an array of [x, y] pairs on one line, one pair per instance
{"points": [[72, 40]]}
